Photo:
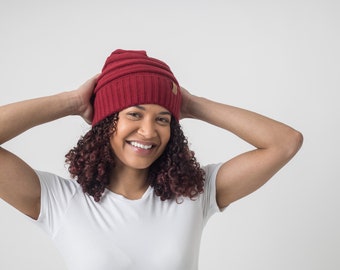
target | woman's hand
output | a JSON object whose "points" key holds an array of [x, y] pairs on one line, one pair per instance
{"points": [[85, 92], [186, 101]]}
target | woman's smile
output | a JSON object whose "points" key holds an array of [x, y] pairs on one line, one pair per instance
{"points": [[142, 148], [145, 146]]}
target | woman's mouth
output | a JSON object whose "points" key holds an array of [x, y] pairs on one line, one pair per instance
{"points": [[140, 145]]}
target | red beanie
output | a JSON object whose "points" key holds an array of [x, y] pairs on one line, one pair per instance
{"points": [[131, 78]]}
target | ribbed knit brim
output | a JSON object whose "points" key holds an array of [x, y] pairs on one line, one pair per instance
{"points": [[131, 78]]}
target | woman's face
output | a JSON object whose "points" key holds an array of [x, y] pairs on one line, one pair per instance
{"points": [[141, 136]]}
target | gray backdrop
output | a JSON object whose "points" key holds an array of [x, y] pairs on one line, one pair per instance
{"points": [[279, 58]]}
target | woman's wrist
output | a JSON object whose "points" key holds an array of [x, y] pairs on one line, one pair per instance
{"points": [[190, 105], [196, 107], [74, 105]]}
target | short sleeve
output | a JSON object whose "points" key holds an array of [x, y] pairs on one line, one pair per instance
{"points": [[210, 206], [56, 193]]}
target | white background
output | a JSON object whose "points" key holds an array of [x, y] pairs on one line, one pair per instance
{"points": [[279, 58]]}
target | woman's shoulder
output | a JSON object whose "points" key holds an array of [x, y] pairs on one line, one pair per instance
{"points": [[211, 170], [55, 183]]}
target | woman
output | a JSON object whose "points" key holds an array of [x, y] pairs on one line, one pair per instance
{"points": [[140, 199]]}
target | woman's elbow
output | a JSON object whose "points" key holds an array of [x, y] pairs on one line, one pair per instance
{"points": [[293, 143]]}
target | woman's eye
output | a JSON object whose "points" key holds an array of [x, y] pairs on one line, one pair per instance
{"points": [[163, 120], [134, 115]]}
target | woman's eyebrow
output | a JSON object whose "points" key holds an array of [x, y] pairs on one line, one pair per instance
{"points": [[140, 107], [165, 113]]}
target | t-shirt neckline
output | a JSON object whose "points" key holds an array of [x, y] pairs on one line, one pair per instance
{"points": [[121, 197]]}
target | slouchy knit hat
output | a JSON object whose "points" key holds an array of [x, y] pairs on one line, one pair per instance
{"points": [[131, 78]]}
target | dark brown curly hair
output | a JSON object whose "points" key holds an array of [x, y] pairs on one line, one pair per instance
{"points": [[174, 174]]}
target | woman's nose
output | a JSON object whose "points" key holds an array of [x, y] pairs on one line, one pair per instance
{"points": [[147, 129]]}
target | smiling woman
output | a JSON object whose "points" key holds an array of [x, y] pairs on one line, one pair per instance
{"points": [[136, 178]]}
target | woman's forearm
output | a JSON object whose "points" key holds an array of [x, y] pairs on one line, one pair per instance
{"points": [[258, 130], [18, 117]]}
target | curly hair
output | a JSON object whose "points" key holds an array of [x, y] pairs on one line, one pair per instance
{"points": [[174, 174]]}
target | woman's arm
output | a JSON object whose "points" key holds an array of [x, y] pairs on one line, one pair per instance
{"points": [[19, 184], [275, 143]]}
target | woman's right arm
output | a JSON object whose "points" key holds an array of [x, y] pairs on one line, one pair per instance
{"points": [[19, 184]]}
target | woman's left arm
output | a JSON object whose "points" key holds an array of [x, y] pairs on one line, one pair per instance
{"points": [[275, 144]]}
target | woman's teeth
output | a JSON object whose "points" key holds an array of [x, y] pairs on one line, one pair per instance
{"points": [[139, 145]]}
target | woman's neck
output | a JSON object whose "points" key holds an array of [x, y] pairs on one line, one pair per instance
{"points": [[128, 182]]}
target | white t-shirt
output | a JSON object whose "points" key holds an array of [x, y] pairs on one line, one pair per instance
{"points": [[118, 233]]}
